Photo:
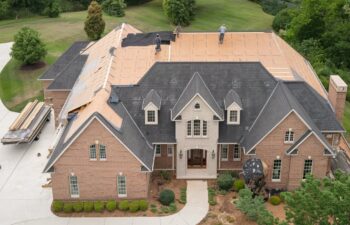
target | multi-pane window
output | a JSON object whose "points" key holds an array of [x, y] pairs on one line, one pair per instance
{"points": [[276, 171], [170, 149], [236, 153], [121, 186], [307, 168], [289, 136], [224, 152], [233, 116], [92, 150], [204, 128], [189, 128], [196, 127], [103, 154], [157, 150], [151, 116], [73, 186]]}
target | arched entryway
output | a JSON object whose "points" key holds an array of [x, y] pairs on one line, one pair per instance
{"points": [[197, 159]]}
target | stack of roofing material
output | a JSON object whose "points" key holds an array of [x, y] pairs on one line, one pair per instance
{"points": [[29, 123]]}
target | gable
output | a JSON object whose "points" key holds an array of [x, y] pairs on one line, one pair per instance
{"points": [[189, 112], [312, 145], [77, 153]]}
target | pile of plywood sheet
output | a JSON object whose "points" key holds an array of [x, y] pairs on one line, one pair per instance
{"points": [[29, 123]]}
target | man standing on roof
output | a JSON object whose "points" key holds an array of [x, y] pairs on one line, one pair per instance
{"points": [[158, 41], [222, 31]]}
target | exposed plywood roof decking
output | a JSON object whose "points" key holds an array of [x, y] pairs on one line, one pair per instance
{"points": [[282, 61], [109, 63]]}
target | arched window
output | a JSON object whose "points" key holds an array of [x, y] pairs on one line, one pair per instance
{"points": [[92, 153], [289, 136], [197, 106]]}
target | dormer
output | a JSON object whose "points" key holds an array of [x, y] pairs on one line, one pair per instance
{"points": [[151, 106], [233, 107]]}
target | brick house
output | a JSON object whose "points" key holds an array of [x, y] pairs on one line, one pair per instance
{"points": [[196, 108]]}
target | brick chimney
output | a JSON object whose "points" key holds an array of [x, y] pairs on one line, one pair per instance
{"points": [[337, 95]]}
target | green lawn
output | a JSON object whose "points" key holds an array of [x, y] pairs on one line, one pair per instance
{"points": [[17, 86]]}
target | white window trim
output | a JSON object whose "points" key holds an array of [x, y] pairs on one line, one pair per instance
{"points": [[92, 159], [239, 153], [201, 122], [172, 150], [224, 159], [99, 148], [126, 192], [194, 106], [276, 180], [70, 187], [289, 135], [155, 117], [234, 107], [155, 149], [312, 166]]}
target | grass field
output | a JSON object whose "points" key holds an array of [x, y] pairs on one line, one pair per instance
{"points": [[17, 86]]}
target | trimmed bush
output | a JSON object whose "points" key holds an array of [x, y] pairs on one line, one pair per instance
{"points": [[275, 200], [111, 205], [124, 205], [225, 181], [143, 205], [211, 196], [166, 175], [134, 206], [238, 185], [68, 207], [78, 206], [183, 197], [57, 206], [166, 197], [172, 207], [88, 206], [99, 206]]}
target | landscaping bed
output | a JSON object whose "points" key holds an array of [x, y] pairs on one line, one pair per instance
{"points": [[163, 188]]}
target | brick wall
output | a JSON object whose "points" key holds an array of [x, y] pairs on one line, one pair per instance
{"points": [[54, 98], [98, 179], [230, 164], [164, 161], [273, 146]]}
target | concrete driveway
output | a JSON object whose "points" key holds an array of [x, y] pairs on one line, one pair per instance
{"points": [[24, 201]]}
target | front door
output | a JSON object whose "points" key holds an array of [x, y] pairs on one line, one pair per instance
{"points": [[196, 158]]}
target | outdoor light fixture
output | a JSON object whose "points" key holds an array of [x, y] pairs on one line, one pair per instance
{"points": [[213, 154], [180, 154]]}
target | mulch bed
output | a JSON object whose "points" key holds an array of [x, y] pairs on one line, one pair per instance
{"points": [[34, 66], [156, 186]]}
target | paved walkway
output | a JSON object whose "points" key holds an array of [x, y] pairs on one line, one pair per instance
{"points": [[23, 200]]}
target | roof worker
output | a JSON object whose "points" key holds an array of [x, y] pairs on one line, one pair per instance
{"points": [[222, 31], [177, 30], [158, 41]]}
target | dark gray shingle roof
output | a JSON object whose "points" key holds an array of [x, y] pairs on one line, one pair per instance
{"points": [[232, 97], [68, 76], [292, 149], [196, 86], [152, 96], [64, 60], [249, 79]]}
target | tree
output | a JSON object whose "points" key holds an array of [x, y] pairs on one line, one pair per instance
{"points": [[53, 9], [28, 48], [254, 208], [179, 12], [94, 23], [114, 7], [324, 202]]}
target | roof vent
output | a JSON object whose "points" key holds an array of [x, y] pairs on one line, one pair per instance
{"points": [[113, 98]]}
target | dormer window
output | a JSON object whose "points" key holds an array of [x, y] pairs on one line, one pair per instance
{"points": [[151, 105], [197, 106], [233, 106]]}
